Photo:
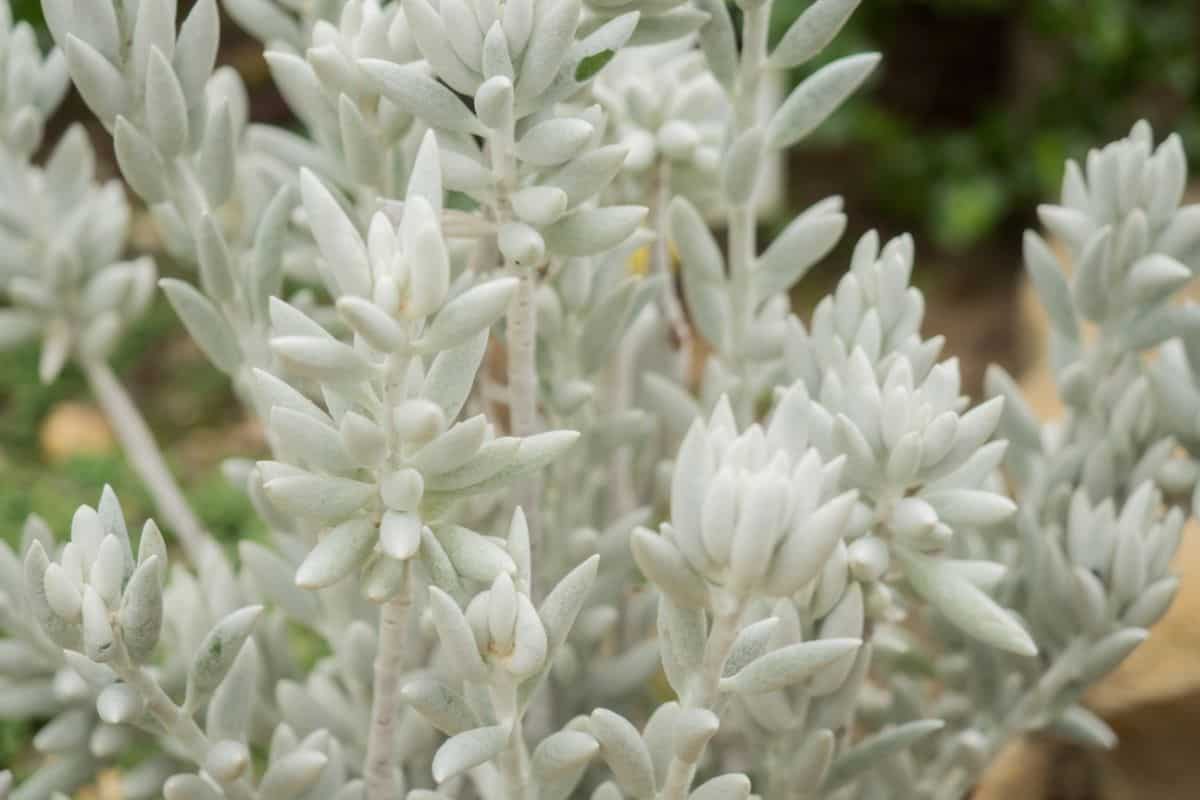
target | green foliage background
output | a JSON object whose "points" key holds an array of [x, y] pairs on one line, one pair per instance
{"points": [[979, 102]]}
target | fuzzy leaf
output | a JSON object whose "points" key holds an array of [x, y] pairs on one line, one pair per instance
{"points": [[718, 41], [469, 313], [968, 608], [217, 652], [468, 749], [100, 83], [166, 107], [205, 324], [142, 609], [814, 100], [811, 32], [590, 231], [789, 665], [452, 374], [455, 635], [550, 40], [442, 706], [337, 554], [292, 775], [410, 88], [805, 241], [875, 748], [623, 750], [340, 242]]}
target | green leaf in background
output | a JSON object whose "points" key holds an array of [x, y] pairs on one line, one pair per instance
{"points": [[965, 210], [978, 102], [592, 64], [29, 11]]}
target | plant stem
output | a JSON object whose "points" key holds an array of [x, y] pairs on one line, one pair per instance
{"points": [[521, 335], [704, 693], [178, 725], [380, 768], [514, 766], [147, 459], [514, 761], [522, 375], [522, 389], [660, 264], [743, 222]]}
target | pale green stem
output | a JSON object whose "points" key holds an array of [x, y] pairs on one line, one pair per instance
{"points": [[743, 222], [514, 761], [705, 693], [179, 726]]}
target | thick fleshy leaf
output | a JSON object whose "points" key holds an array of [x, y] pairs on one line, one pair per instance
{"points": [[292, 775], [817, 97], [804, 242], [811, 32], [337, 554], [622, 748], [661, 562], [205, 324], [339, 240], [411, 88], [469, 313], [455, 634], [141, 610], [550, 39], [468, 749], [875, 748], [166, 107], [590, 231], [961, 602], [98, 81], [218, 650], [318, 497], [789, 665], [442, 706]]}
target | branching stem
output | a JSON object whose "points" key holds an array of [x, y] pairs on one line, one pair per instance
{"points": [[704, 692], [178, 725]]}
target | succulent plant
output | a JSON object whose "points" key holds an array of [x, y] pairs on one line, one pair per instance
{"points": [[519, 467]]}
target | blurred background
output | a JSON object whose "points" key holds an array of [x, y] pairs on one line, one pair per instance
{"points": [[959, 136]]}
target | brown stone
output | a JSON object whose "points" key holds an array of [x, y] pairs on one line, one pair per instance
{"points": [[72, 429]]}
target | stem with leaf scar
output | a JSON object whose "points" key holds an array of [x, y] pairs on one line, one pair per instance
{"points": [[381, 743], [521, 331], [380, 766]]}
